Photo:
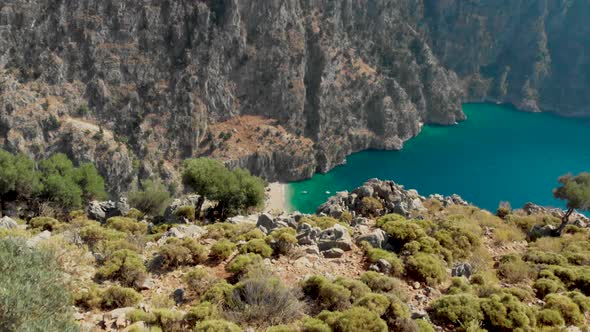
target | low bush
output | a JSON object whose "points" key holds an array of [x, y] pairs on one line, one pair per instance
{"points": [[282, 240], [311, 285], [90, 298], [458, 285], [179, 252], [396, 311], [568, 309], [134, 213], [506, 313], [203, 311], [402, 232], [333, 296], [382, 283], [222, 249], [93, 233], [548, 258], [127, 225], [124, 266], [44, 223], [323, 222], [370, 206], [389, 217], [263, 301], [249, 235], [424, 326], [257, 246], [33, 294], [550, 318], [545, 286], [581, 300], [353, 320], [457, 309], [218, 293], [513, 270], [376, 303], [427, 268], [244, 263], [309, 324], [217, 325], [375, 254], [152, 200], [119, 297], [356, 287], [198, 280], [187, 212]]}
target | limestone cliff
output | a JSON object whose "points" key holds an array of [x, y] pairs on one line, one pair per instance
{"points": [[283, 87]]}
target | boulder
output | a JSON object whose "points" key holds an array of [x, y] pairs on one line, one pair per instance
{"points": [[333, 253], [178, 295], [539, 231], [8, 223], [307, 235], [376, 239], [34, 241], [101, 211], [183, 231], [335, 237], [267, 223], [462, 270]]}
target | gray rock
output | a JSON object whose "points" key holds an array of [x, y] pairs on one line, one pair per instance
{"points": [[267, 223], [101, 211], [462, 270], [183, 231], [383, 266], [311, 250], [539, 231], [195, 201], [35, 240], [146, 284], [419, 314], [335, 237], [376, 239], [8, 223], [178, 295], [307, 235], [333, 253]]}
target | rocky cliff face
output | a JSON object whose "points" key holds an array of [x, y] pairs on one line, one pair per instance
{"points": [[137, 86]]}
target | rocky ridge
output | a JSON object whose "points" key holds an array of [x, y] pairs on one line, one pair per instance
{"points": [[135, 87]]}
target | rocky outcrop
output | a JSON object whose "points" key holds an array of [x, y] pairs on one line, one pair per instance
{"points": [[101, 211], [283, 88]]}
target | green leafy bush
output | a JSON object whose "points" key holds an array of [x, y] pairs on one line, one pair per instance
{"points": [[92, 234], [396, 312], [179, 252], [545, 286], [568, 309], [242, 264], [506, 313], [309, 324], [356, 287], [217, 325], [389, 217], [283, 239], [376, 303], [381, 283], [90, 298], [152, 200], [127, 225], [370, 206], [257, 246], [134, 213], [33, 295], [402, 232], [457, 309], [375, 254], [353, 320], [427, 268], [198, 280], [124, 266], [550, 318], [311, 286], [44, 223], [119, 297], [219, 293], [549, 258], [333, 296], [513, 269], [222, 249], [203, 311], [581, 300], [187, 212]]}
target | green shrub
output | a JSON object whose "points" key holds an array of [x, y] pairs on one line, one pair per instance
{"points": [[187, 212], [89, 299], [33, 295], [505, 313], [513, 270], [353, 320], [107, 248], [281, 328], [219, 293], [43, 223], [152, 200], [549, 258], [376, 303], [457, 309], [357, 288], [203, 311], [345, 217], [283, 239], [179, 252], [262, 301], [370, 206], [198, 280], [546, 286], [127, 225], [333, 296], [458, 285], [222, 249], [119, 297], [568, 309], [427, 268], [92, 234], [124, 266], [168, 320], [389, 217], [134, 213], [309, 324], [382, 283], [402, 232], [244, 263], [396, 311], [249, 235], [311, 286], [323, 222], [375, 254], [581, 300], [459, 240], [217, 325], [257, 246], [139, 315], [550, 318], [424, 326]]}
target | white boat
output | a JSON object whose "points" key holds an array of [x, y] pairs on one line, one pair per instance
{"points": [[328, 193], [304, 192]]}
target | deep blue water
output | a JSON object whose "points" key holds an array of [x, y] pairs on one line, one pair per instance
{"points": [[497, 154]]}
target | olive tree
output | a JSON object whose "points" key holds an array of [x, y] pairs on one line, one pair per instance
{"points": [[235, 191], [575, 190]]}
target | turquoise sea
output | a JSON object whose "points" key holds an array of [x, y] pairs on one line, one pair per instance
{"points": [[497, 154]]}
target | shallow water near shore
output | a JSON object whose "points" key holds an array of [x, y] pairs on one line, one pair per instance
{"points": [[497, 154]]}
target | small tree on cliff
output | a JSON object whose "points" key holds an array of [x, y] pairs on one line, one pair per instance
{"points": [[235, 191], [576, 191], [18, 178]]}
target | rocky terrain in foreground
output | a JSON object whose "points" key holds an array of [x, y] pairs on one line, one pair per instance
{"points": [[377, 258], [137, 86]]}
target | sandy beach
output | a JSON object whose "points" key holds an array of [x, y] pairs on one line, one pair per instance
{"points": [[276, 198]]}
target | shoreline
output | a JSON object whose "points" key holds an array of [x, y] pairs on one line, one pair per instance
{"points": [[276, 198]]}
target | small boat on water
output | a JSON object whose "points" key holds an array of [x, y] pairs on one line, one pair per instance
{"points": [[304, 192], [327, 192]]}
